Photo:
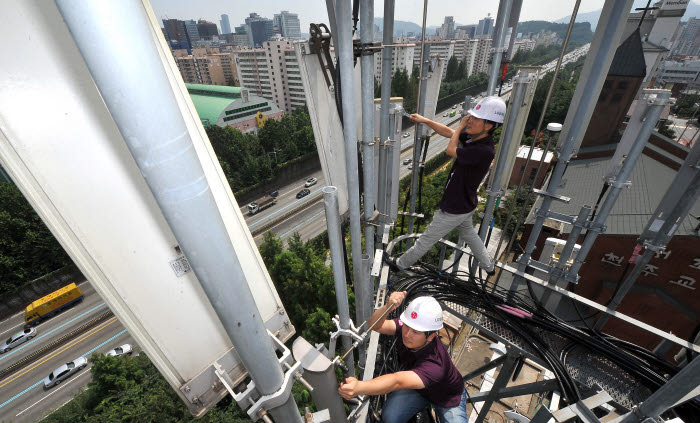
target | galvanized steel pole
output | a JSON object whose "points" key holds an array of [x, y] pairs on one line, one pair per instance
{"points": [[335, 241], [499, 39], [418, 140], [417, 133], [345, 66], [161, 145], [367, 65], [383, 202]]}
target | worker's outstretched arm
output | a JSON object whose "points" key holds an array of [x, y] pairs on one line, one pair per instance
{"points": [[380, 385], [387, 327], [454, 140], [438, 127]]}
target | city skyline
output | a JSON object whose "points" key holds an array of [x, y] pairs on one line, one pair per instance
{"points": [[410, 10]]}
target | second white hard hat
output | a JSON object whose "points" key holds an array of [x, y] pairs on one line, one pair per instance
{"points": [[491, 108], [423, 314]]}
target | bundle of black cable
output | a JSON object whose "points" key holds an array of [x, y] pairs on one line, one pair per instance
{"points": [[528, 323]]}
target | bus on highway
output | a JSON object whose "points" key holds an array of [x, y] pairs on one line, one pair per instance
{"points": [[55, 302], [453, 113]]}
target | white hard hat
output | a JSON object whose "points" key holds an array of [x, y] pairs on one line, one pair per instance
{"points": [[423, 314], [491, 108]]}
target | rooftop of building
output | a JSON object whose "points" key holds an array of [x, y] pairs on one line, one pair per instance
{"points": [[634, 208]]}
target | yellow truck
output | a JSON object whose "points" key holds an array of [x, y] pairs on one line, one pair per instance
{"points": [[55, 302]]}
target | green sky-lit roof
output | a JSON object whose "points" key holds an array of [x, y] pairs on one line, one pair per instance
{"points": [[211, 100]]}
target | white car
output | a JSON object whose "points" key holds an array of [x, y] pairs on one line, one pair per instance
{"points": [[406, 135], [65, 371], [445, 114], [125, 349], [310, 182], [18, 338], [410, 166], [407, 161]]}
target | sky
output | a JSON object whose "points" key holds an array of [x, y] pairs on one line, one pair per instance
{"points": [[314, 11]]}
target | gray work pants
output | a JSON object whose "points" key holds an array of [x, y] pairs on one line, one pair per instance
{"points": [[441, 225]]}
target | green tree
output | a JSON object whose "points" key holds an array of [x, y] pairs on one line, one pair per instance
{"points": [[28, 250], [452, 71]]}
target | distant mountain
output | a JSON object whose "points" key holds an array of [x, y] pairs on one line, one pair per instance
{"points": [[590, 17], [693, 10], [581, 33], [403, 27]]}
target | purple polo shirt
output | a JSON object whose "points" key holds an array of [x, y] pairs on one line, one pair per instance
{"points": [[433, 365], [468, 170]]}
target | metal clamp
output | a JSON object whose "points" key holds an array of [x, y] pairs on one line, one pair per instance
{"points": [[365, 49], [369, 143], [273, 400], [615, 184], [498, 193], [352, 331], [654, 247]]}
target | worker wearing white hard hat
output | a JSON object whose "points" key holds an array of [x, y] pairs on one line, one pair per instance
{"points": [[471, 144], [428, 375]]}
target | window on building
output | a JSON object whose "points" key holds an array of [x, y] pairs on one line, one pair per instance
{"points": [[616, 98]]}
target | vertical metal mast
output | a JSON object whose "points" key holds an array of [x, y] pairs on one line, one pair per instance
{"points": [[335, 241], [166, 158], [605, 42], [499, 39], [367, 64], [383, 202], [345, 67], [422, 86]]}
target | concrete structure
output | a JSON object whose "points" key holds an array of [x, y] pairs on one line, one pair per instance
{"points": [[230, 106], [288, 24], [402, 58], [259, 29], [485, 27], [466, 31], [441, 48], [476, 55], [447, 30], [178, 34], [272, 72], [519, 167], [686, 72], [657, 30], [207, 30], [687, 42], [225, 24], [206, 66], [524, 45]]}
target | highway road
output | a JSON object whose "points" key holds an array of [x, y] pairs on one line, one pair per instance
{"points": [[22, 396]]}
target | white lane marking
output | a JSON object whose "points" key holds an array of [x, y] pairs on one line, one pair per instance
{"points": [[55, 390], [10, 318]]}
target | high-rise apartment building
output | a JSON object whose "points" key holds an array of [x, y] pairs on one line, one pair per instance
{"points": [[272, 72], [465, 31], [192, 32], [207, 30], [688, 42], [259, 29], [288, 24], [201, 67], [447, 30], [485, 27], [476, 55], [225, 24], [402, 58], [443, 49], [176, 31]]}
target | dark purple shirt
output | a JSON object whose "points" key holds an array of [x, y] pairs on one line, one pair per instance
{"points": [[468, 170], [433, 365]]}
